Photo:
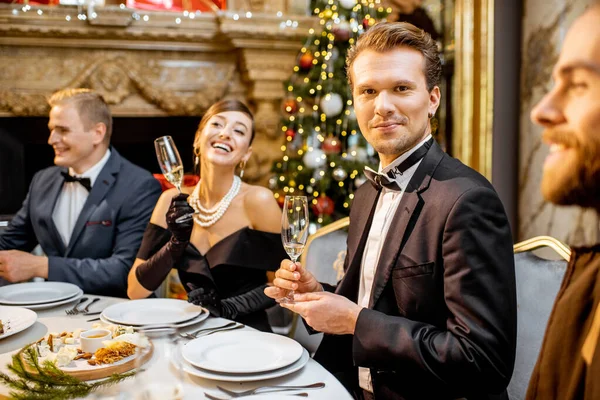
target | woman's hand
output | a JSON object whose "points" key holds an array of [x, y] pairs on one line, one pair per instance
{"points": [[181, 231]]}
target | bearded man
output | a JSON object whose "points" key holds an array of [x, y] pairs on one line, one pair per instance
{"points": [[568, 366]]}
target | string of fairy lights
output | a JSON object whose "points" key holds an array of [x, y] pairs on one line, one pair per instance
{"points": [[325, 103], [87, 11]]}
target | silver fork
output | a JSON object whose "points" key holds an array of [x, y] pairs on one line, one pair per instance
{"points": [[270, 389], [74, 310], [209, 331], [212, 397], [86, 309]]}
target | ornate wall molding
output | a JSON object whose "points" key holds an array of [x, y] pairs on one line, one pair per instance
{"points": [[153, 63]]}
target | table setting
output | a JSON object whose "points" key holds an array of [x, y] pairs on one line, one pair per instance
{"points": [[198, 355]]}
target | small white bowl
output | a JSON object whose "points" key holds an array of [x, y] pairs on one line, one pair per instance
{"points": [[92, 340]]}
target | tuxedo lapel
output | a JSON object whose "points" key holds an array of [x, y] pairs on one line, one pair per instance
{"points": [[102, 185], [366, 200], [404, 220], [51, 196]]}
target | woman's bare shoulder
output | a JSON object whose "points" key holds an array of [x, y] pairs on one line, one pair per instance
{"points": [[262, 208]]}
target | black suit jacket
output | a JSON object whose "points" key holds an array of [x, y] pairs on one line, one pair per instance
{"points": [[108, 231], [441, 322]]}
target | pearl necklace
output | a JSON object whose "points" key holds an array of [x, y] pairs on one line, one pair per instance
{"points": [[207, 217]]}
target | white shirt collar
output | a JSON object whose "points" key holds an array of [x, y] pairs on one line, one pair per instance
{"points": [[93, 171]]}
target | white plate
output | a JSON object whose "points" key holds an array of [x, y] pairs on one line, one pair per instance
{"points": [[151, 312], [301, 362], [192, 321], [16, 319], [246, 352], [32, 293], [56, 303]]}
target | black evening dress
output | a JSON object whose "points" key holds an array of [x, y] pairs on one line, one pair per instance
{"points": [[235, 265]]}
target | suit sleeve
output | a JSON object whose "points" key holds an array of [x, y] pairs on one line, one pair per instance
{"points": [[476, 348], [20, 235], [108, 276]]}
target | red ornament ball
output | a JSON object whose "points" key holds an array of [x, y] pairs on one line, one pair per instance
{"points": [[324, 206], [331, 145], [342, 32], [367, 23], [290, 133], [306, 61], [290, 106]]}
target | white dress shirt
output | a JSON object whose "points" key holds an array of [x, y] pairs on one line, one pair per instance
{"points": [[384, 211], [72, 198]]}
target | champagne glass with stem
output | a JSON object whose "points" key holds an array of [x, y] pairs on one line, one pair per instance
{"points": [[294, 231], [169, 160]]}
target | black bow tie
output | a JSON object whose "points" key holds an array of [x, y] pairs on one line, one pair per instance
{"points": [[85, 182], [388, 179]]}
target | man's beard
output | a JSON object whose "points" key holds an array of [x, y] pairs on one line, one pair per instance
{"points": [[575, 182]]}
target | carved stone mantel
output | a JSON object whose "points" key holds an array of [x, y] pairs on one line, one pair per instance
{"points": [[152, 63]]}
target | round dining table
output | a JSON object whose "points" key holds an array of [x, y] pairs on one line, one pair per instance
{"points": [[56, 320]]}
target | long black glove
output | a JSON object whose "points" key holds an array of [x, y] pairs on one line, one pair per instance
{"points": [[231, 307], [153, 272]]}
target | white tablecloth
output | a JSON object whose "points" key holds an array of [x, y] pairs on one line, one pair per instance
{"points": [[55, 320]]}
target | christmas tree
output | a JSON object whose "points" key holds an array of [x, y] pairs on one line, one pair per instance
{"points": [[324, 152]]}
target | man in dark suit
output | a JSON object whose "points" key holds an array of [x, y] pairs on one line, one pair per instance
{"points": [[89, 212], [427, 307]]}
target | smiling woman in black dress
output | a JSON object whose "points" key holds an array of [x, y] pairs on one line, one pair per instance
{"points": [[224, 254]]}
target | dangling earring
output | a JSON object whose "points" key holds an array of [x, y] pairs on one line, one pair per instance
{"points": [[430, 115], [197, 161], [242, 166]]}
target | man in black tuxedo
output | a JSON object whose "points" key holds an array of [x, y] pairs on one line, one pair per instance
{"points": [[89, 212], [427, 307]]}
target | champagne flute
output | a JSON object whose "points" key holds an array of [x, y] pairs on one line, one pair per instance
{"points": [[294, 231], [169, 160]]}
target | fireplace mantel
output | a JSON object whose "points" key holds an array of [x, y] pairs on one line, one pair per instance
{"points": [[153, 63]]}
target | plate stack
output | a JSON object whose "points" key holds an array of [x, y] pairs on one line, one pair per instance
{"points": [[39, 295], [156, 312], [243, 356]]}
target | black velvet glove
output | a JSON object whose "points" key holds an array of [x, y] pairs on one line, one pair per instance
{"points": [[181, 231], [151, 273], [231, 307]]}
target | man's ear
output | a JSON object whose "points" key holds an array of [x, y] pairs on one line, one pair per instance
{"points": [[99, 133], [434, 99]]}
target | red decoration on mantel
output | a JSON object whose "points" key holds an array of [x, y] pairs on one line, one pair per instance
{"points": [[188, 180], [176, 5]]}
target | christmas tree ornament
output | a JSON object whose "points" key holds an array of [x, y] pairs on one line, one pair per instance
{"points": [[324, 205], [358, 154], [306, 61], [335, 54], [309, 189], [348, 4], [290, 133], [327, 14], [367, 23], [342, 31], [273, 182], [352, 114], [290, 105], [359, 181], [331, 145], [339, 174], [332, 104], [314, 159], [318, 174]]}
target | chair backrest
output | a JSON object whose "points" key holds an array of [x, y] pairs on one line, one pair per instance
{"points": [[538, 281], [325, 252]]}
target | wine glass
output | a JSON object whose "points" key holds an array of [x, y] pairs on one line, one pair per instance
{"points": [[294, 231], [169, 160], [159, 370]]}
